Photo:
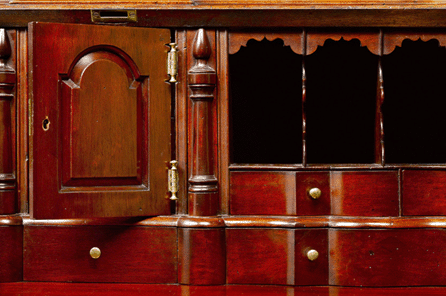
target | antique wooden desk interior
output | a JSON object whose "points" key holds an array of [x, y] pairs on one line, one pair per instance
{"points": [[286, 147]]}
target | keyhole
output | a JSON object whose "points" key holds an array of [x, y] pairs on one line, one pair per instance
{"points": [[46, 124]]}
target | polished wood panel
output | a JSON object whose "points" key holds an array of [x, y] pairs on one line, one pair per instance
{"points": [[8, 186], [202, 79], [311, 272], [129, 254], [260, 256], [307, 206], [422, 192], [126, 174], [291, 39], [11, 246], [52, 289], [369, 39], [202, 256], [263, 193], [404, 257], [364, 193], [276, 256]]}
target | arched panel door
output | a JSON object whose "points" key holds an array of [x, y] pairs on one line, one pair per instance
{"points": [[101, 121]]}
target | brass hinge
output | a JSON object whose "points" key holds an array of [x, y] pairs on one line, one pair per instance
{"points": [[172, 63], [173, 180]]}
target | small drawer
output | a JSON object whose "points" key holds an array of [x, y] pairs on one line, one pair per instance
{"points": [[424, 193], [392, 257], [364, 193], [127, 254], [279, 193], [277, 256]]}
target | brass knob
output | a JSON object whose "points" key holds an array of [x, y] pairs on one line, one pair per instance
{"points": [[95, 253], [315, 193], [312, 255]]}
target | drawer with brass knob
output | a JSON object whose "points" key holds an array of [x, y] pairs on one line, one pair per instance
{"points": [[277, 256], [100, 254]]}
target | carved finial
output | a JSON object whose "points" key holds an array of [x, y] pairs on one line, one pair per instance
{"points": [[202, 47], [5, 48]]}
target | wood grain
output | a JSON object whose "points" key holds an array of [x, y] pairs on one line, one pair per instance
{"points": [[202, 256], [11, 246], [111, 192], [364, 193], [404, 257], [129, 254], [423, 192]]}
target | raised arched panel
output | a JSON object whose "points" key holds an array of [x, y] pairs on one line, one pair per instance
{"points": [[101, 128], [102, 105]]}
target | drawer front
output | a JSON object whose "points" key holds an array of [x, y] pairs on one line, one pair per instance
{"points": [[399, 257], [128, 254], [278, 193], [424, 192], [364, 193], [276, 256]]}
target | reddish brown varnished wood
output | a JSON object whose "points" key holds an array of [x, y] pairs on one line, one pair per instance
{"points": [[181, 122], [11, 245], [305, 204], [311, 272], [369, 39], [8, 186], [202, 256], [278, 193], [75, 289], [129, 254], [423, 192], [202, 79], [260, 256], [113, 147], [276, 256], [22, 120], [393, 39], [263, 193], [405, 257], [364, 193], [224, 120], [239, 39]]}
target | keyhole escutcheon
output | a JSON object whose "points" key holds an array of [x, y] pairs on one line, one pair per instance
{"points": [[46, 124]]}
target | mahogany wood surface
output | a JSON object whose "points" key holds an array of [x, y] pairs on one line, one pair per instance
{"points": [[369, 39], [8, 117], [276, 256], [404, 257], [76, 289], [128, 254], [202, 79], [11, 246], [423, 192], [364, 193], [124, 139], [344, 193], [202, 256]]}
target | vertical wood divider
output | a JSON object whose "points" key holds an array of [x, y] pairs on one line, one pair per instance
{"points": [[304, 99], [8, 77], [223, 118], [202, 240], [181, 120], [379, 121], [202, 79]]}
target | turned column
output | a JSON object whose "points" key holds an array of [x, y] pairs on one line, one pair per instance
{"points": [[7, 143], [202, 79]]}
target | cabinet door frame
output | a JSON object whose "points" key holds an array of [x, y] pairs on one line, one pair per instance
{"points": [[54, 50]]}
